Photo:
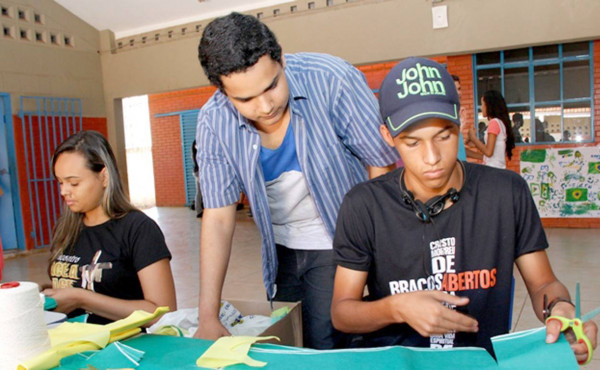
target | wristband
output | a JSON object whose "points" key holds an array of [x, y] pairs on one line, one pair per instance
{"points": [[547, 311]]}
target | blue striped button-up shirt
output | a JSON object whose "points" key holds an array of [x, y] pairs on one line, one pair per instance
{"points": [[336, 126]]}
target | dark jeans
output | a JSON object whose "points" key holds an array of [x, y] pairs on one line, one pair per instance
{"points": [[307, 276], [198, 204]]}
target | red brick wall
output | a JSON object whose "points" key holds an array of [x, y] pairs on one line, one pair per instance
{"points": [[462, 66], [88, 123], [375, 73], [169, 179]]}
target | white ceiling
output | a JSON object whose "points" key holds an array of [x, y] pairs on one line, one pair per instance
{"points": [[132, 17]]}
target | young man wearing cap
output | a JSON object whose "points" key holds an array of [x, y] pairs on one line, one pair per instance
{"points": [[435, 241], [294, 133]]}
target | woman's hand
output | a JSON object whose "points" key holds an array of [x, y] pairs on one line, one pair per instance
{"points": [[472, 134], [67, 299]]}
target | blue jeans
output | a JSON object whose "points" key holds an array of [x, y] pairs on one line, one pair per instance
{"points": [[307, 276]]}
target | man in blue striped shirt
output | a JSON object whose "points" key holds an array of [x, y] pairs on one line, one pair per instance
{"points": [[294, 133]]}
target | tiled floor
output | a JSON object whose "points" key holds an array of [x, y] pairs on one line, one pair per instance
{"points": [[574, 254]]}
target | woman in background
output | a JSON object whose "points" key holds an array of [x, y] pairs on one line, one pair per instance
{"points": [[108, 258], [499, 138]]}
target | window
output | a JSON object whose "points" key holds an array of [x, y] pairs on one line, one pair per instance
{"points": [[329, 3], [39, 36], [22, 15], [5, 11], [23, 34], [53, 39], [293, 8], [68, 41], [259, 15], [311, 5], [275, 12], [549, 87], [198, 27], [37, 18], [7, 31]]}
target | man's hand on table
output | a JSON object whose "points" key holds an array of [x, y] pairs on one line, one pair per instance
{"points": [[211, 329]]}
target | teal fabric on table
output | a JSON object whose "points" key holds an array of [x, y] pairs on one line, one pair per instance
{"points": [[114, 356], [76, 361], [523, 350], [81, 318], [528, 350], [49, 303]]}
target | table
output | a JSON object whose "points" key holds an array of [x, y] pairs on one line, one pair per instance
{"points": [[517, 350]]}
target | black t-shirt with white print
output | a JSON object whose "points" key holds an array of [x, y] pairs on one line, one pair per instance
{"points": [[468, 250], [107, 257]]}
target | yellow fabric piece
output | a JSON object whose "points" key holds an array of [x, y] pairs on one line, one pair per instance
{"points": [[69, 338], [171, 330], [228, 351], [280, 312], [124, 335], [65, 332], [135, 320]]}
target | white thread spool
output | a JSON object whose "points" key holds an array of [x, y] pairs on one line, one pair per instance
{"points": [[23, 332]]}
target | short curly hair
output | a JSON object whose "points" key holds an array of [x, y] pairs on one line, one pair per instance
{"points": [[234, 43]]}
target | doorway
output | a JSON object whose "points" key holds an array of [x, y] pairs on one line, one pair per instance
{"points": [[138, 147]]}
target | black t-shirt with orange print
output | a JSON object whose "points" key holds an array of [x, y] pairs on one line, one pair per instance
{"points": [[468, 250]]}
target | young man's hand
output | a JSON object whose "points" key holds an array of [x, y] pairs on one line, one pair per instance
{"points": [[426, 312], [589, 328], [211, 329]]}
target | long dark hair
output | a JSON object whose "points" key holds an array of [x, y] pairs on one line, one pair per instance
{"points": [[496, 108], [115, 203]]}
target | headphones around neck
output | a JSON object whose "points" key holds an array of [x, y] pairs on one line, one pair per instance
{"points": [[434, 206]]}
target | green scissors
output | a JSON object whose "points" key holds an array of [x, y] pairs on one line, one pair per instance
{"points": [[576, 324]]}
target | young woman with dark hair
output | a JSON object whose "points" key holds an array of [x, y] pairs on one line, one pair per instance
{"points": [[499, 137], [108, 258]]}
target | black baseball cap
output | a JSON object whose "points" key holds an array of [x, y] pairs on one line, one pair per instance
{"points": [[417, 89]]}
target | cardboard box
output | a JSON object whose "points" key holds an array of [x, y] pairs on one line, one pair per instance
{"points": [[288, 328]]}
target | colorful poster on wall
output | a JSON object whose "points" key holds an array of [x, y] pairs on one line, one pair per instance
{"points": [[564, 182]]}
